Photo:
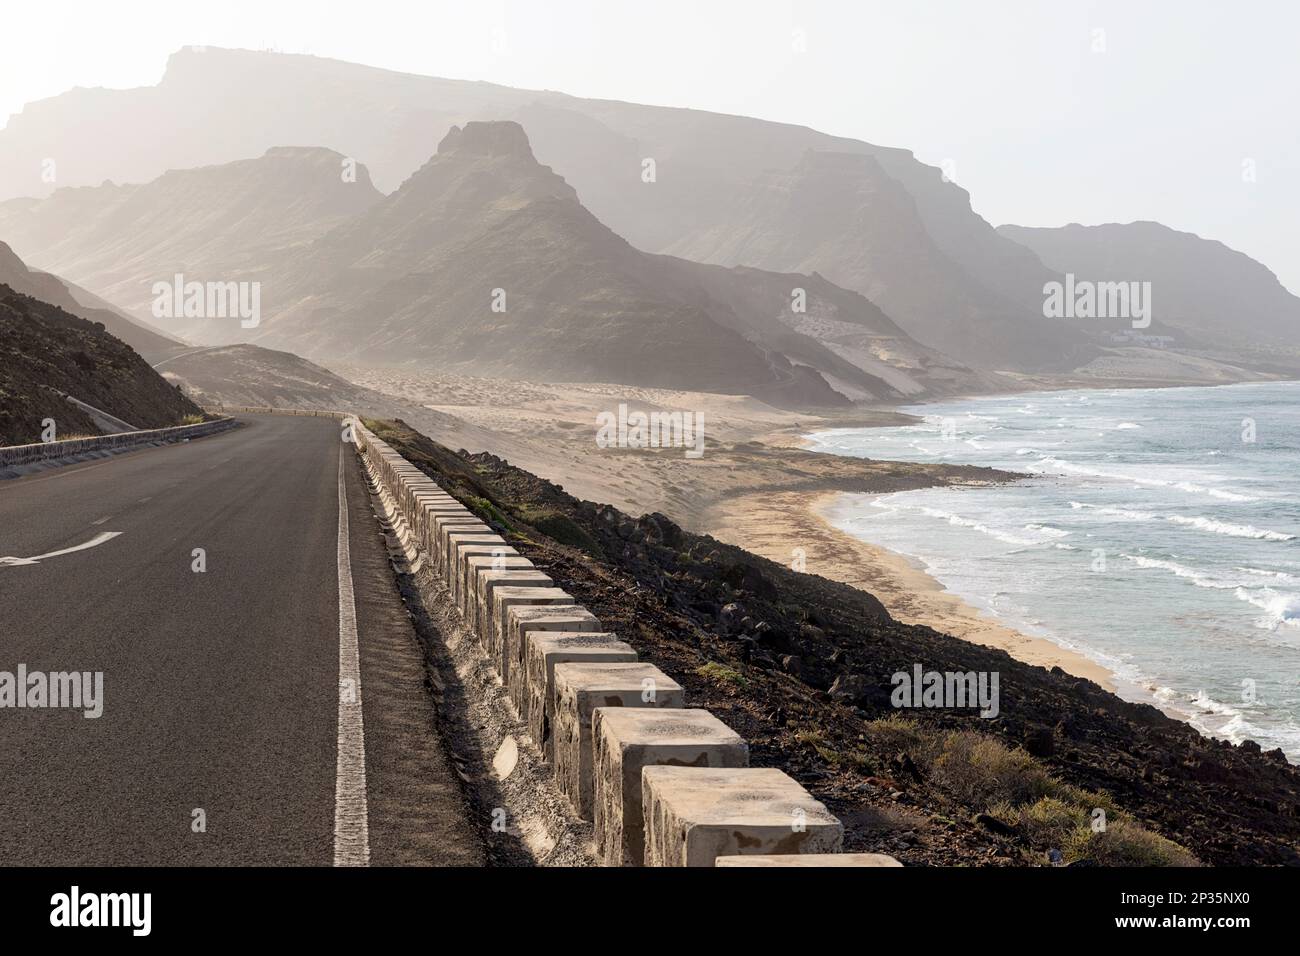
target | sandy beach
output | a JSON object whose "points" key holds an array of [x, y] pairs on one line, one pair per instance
{"points": [[774, 525]]}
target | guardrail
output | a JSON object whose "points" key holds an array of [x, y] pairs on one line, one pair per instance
{"points": [[269, 410], [18, 456], [664, 785]]}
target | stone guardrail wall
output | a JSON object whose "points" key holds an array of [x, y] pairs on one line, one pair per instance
{"points": [[663, 784], [15, 456], [269, 410]]}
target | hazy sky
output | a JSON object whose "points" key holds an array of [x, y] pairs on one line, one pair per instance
{"points": [[1048, 111]]}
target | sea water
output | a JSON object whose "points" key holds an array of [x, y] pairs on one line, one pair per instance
{"points": [[1158, 534]]}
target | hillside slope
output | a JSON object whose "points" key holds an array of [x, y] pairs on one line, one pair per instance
{"points": [[46, 352], [415, 278], [216, 223], [485, 259], [1197, 285], [14, 273], [841, 215]]}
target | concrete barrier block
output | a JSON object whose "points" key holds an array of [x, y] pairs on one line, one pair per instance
{"points": [[493, 611], [443, 526], [477, 602], [458, 540], [488, 557], [694, 815], [443, 521], [810, 859], [579, 690], [627, 740], [519, 626], [542, 651], [426, 511]]}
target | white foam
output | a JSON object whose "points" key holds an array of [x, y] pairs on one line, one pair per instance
{"points": [[1190, 487], [1276, 575], [1280, 608], [1232, 530], [1212, 525], [1199, 578], [959, 521]]}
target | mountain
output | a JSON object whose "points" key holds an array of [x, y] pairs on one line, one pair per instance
{"points": [[215, 223], [411, 278], [47, 352], [14, 273], [826, 214], [712, 173], [1197, 285], [485, 261]]}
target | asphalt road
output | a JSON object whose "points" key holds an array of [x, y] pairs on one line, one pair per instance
{"points": [[221, 687]]}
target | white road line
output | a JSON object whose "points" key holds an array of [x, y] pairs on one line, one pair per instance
{"points": [[94, 542], [351, 822], [102, 520]]}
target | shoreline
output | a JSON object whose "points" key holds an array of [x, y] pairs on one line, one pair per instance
{"points": [[772, 525]]}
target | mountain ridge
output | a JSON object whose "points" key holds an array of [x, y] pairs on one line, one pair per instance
{"points": [[1201, 286]]}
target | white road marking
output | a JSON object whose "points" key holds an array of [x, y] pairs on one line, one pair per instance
{"points": [[102, 520], [94, 542], [351, 821]]}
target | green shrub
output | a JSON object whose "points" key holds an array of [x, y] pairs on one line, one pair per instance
{"points": [[722, 674], [896, 732], [1125, 843], [489, 512], [560, 527], [1051, 822], [981, 771]]}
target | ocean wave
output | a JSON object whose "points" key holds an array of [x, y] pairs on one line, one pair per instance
{"points": [[1048, 530], [1124, 513], [1276, 575], [1199, 578], [1212, 525], [1279, 608], [1071, 468], [1232, 530], [959, 521]]}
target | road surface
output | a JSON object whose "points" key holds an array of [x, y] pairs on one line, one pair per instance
{"points": [[222, 723]]}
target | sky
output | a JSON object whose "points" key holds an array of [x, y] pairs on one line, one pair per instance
{"points": [[1048, 111]]}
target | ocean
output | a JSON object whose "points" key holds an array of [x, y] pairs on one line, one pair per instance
{"points": [[1159, 535]]}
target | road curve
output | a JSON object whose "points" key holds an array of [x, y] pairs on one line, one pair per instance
{"points": [[221, 699]]}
